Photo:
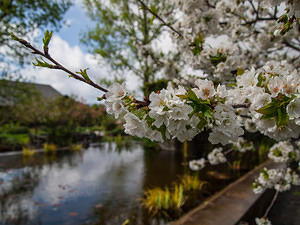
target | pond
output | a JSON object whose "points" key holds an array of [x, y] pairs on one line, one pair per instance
{"points": [[99, 185]]}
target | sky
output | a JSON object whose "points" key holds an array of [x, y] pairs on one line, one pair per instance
{"points": [[66, 48]]}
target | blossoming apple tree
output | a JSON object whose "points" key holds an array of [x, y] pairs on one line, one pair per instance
{"points": [[251, 83]]}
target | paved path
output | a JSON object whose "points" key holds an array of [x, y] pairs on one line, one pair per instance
{"points": [[286, 210]]}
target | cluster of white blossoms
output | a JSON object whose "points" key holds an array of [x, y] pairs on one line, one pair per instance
{"points": [[283, 152], [242, 145], [251, 29], [262, 221], [279, 179], [272, 93], [216, 156], [177, 113], [220, 60], [265, 100], [197, 164]]}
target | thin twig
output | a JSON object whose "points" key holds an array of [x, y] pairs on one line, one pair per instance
{"points": [[58, 65], [236, 106], [271, 204], [288, 44], [159, 18]]}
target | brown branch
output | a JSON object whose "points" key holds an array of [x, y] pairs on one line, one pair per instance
{"points": [[159, 18], [58, 65], [271, 204], [253, 7], [236, 106], [257, 19], [288, 44]]}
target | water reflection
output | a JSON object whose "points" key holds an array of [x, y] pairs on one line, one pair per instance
{"points": [[100, 185]]}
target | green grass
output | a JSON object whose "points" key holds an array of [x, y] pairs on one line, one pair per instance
{"points": [[14, 139]]}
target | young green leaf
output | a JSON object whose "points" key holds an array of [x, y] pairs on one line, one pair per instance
{"points": [[215, 60], [47, 38], [83, 73], [42, 63], [14, 37]]}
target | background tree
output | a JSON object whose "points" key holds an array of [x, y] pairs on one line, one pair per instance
{"points": [[124, 36], [25, 17]]}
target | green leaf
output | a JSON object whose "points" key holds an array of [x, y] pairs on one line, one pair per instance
{"points": [[197, 44], [139, 113], [14, 37], [277, 110], [240, 71], [192, 96], [83, 73], [215, 60], [261, 78], [282, 117], [149, 120], [265, 173], [269, 109], [100, 99], [47, 38], [153, 9], [42, 63]]}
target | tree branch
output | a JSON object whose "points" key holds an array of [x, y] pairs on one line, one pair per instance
{"points": [[271, 204], [288, 44], [58, 65], [159, 18]]}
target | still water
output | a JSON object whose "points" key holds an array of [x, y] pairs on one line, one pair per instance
{"points": [[99, 185]]}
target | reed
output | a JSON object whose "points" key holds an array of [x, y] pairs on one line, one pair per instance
{"points": [[192, 183], [50, 147], [165, 200], [28, 151], [75, 147]]}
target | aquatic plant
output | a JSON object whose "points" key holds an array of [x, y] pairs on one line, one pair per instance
{"points": [[164, 201], [28, 151], [76, 147], [49, 147], [192, 183]]}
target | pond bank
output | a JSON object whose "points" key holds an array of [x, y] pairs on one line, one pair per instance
{"points": [[228, 206]]}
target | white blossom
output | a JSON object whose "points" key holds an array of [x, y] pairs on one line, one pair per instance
{"points": [[216, 156], [262, 221], [115, 92], [197, 164], [293, 108]]}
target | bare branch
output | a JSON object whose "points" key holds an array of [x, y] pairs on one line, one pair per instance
{"points": [[290, 45], [58, 65], [271, 204], [159, 18]]}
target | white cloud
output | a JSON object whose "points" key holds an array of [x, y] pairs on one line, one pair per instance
{"points": [[74, 59]]}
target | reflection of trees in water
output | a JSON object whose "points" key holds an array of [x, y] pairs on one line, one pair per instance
{"points": [[117, 212], [16, 203], [120, 144]]}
